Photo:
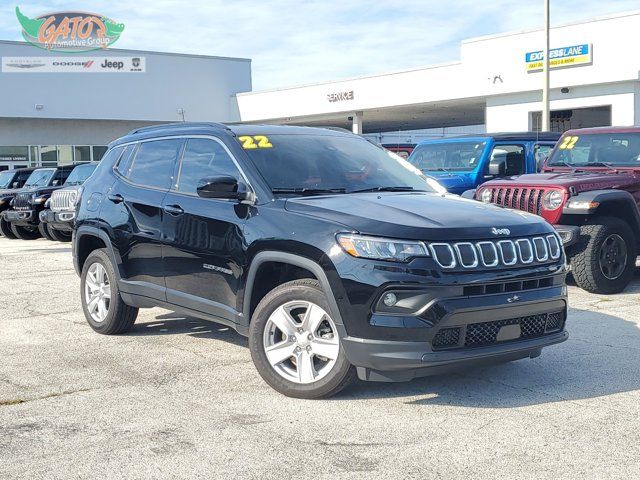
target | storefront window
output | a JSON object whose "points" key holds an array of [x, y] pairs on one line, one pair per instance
{"points": [[48, 155], [14, 154], [33, 157], [81, 154], [98, 152], [65, 155]]}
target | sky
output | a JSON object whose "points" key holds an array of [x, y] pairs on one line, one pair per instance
{"points": [[300, 42]]}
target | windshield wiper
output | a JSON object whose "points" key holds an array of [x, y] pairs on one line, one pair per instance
{"points": [[597, 164], [562, 162], [308, 191], [385, 189]]}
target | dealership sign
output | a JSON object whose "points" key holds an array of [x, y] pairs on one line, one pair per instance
{"points": [[340, 96], [70, 31], [575, 55], [73, 64]]}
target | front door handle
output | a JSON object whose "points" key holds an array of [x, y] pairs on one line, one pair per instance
{"points": [[174, 210], [116, 198]]}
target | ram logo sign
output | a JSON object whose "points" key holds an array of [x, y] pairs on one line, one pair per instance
{"points": [[574, 56], [69, 31]]}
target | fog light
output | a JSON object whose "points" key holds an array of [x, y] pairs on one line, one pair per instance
{"points": [[390, 299]]}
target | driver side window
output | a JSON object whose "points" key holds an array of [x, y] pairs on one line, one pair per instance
{"points": [[513, 158], [203, 157]]}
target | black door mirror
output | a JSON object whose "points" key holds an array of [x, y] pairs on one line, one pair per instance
{"points": [[55, 183], [16, 184], [224, 186], [498, 167]]}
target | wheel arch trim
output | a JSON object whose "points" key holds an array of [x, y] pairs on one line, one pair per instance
{"points": [[87, 231]]}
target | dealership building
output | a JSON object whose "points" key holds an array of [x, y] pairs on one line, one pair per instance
{"points": [[52, 112]]}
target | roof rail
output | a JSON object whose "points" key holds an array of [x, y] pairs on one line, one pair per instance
{"points": [[171, 126]]}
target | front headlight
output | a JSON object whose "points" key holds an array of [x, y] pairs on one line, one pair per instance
{"points": [[485, 196], [381, 248], [552, 200]]}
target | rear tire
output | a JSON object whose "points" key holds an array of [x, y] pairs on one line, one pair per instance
{"points": [[604, 259], [102, 304], [59, 236], [24, 233], [43, 228], [5, 229], [294, 343]]}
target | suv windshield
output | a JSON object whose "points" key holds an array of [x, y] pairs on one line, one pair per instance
{"points": [[598, 149], [40, 178], [445, 157], [80, 174], [5, 179], [316, 164]]}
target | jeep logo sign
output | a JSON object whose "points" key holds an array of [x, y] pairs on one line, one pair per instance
{"points": [[340, 96], [109, 64], [500, 231]]}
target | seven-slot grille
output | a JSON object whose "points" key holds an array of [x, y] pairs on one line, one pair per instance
{"points": [[487, 333], [63, 200], [497, 253], [527, 199], [21, 201]]}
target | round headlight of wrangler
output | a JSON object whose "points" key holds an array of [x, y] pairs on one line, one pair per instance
{"points": [[485, 196], [552, 200]]}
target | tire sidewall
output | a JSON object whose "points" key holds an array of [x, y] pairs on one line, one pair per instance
{"points": [[286, 293], [5, 229]]}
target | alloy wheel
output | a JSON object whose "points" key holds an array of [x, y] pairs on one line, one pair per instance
{"points": [[97, 292], [301, 342]]}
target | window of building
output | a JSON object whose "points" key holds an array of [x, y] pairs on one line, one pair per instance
{"points": [[14, 154], [98, 152], [48, 156], [81, 154], [154, 163], [202, 158], [65, 155]]}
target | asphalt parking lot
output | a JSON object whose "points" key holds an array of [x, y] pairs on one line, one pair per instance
{"points": [[180, 398]]}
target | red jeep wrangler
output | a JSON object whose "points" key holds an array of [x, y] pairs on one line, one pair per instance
{"points": [[589, 189]]}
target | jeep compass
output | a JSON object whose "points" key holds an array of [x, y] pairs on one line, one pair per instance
{"points": [[335, 257]]}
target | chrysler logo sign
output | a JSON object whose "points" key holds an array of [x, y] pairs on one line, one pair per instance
{"points": [[340, 96]]}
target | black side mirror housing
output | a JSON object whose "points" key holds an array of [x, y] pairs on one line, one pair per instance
{"points": [[225, 187], [16, 184], [498, 167], [55, 183]]}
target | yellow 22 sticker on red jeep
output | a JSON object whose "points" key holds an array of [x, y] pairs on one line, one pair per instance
{"points": [[568, 142], [256, 141]]}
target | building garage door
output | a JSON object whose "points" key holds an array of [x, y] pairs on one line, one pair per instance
{"points": [[563, 120]]}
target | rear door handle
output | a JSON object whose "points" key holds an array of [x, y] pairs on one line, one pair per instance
{"points": [[116, 198], [174, 210]]}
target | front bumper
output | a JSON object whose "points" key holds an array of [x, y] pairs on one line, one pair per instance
{"points": [[62, 221], [21, 217], [476, 330]]}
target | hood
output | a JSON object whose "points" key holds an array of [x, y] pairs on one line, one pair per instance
{"points": [[580, 181], [39, 190], [418, 216]]}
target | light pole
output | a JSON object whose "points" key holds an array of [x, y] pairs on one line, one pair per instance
{"points": [[545, 70]]}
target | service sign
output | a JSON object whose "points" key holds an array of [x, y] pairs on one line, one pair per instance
{"points": [[69, 31], [73, 64], [574, 56]]}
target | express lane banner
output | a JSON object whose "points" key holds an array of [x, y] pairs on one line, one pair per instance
{"points": [[574, 56]]}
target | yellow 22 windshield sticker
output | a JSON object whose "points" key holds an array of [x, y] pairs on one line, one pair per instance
{"points": [[568, 142], [255, 141]]}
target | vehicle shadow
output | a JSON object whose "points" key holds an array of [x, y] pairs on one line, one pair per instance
{"points": [[600, 358], [176, 324]]}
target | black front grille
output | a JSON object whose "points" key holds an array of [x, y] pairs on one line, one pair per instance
{"points": [[487, 333], [21, 201]]}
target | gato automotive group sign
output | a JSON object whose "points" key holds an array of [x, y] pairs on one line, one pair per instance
{"points": [[69, 31]]}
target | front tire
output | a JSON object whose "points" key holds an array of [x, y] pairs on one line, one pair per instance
{"points": [[43, 228], [101, 302], [295, 345], [5, 229], [24, 233], [58, 235], [604, 259]]}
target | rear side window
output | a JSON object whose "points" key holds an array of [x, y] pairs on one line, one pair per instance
{"points": [[203, 158], [125, 163], [154, 163]]}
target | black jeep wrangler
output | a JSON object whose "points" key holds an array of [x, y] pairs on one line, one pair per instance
{"points": [[58, 216], [10, 182], [335, 257], [23, 217]]}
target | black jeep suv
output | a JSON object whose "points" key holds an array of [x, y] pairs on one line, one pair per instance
{"points": [[23, 218], [10, 182], [334, 256]]}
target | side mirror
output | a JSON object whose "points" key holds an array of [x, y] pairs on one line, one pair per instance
{"points": [[225, 186], [16, 184], [541, 162], [55, 183], [498, 167]]}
